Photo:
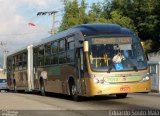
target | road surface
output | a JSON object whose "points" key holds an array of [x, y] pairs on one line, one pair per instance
{"points": [[23, 104]]}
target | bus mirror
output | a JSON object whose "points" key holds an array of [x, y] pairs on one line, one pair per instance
{"points": [[85, 46]]}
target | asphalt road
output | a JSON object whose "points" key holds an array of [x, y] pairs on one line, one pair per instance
{"points": [[27, 104]]}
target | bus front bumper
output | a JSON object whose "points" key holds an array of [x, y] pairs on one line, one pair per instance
{"points": [[94, 89]]}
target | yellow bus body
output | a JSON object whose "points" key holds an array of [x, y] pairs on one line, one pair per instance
{"points": [[94, 89]]}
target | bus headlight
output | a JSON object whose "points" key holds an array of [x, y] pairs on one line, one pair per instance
{"points": [[146, 78], [102, 81], [95, 80]]}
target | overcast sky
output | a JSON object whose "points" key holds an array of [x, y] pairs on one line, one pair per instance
{"points": [[15, 16]]}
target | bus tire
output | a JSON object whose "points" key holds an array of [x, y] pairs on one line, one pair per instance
{"points": [[121, 95], [73, 91], [42, 87], [14, 87]]}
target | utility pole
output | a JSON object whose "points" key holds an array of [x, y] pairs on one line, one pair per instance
{"points": [[53, 23], [5, 58], [2, 44], [5, 52]]}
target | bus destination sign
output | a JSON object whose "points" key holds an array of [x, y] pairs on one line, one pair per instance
{"points": [[119, 40]]}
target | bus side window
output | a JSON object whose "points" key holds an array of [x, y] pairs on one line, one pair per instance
{"points": [[54, 56], [24, 60], [62, 45], [62, 51], [70, 49], [41, 55]]}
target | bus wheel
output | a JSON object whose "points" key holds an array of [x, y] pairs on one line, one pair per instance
{"points": [[121, 95], [73, 92], [42, 88]]}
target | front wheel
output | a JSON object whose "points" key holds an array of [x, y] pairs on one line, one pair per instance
{"points": [[121, 95], [73, 92]]}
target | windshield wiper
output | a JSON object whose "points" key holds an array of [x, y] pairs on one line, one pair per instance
{"points": [[110, 68]]}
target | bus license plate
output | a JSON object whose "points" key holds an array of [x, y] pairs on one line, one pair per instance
{"points": [[125, 89]]}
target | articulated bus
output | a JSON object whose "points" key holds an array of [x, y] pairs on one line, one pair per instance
{"points": [[86, 60]]}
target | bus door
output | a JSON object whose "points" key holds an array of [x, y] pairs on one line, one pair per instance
{"points": [[80, 70], [154, 73]]}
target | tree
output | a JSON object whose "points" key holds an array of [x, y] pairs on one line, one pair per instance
{"points": [[142, 16], [83, 18], [147, 45], [156, 31], [107, 5], [95, 13], [118, 18], [71, 15], [74, 14]]}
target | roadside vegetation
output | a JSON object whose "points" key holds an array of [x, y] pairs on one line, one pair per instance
{"points": [[142, 16]]}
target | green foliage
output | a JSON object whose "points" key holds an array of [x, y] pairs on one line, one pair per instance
{"points": [[145, 17], [118, 18], [71, 16], [83, 19], [142, 16], [147, 45], [74, 14], [95, 14]]}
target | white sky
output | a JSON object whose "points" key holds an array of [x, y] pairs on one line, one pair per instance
{"points": [[15, 16]]}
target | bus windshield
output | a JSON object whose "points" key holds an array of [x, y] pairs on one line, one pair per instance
{"points": [[116, 54]]}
